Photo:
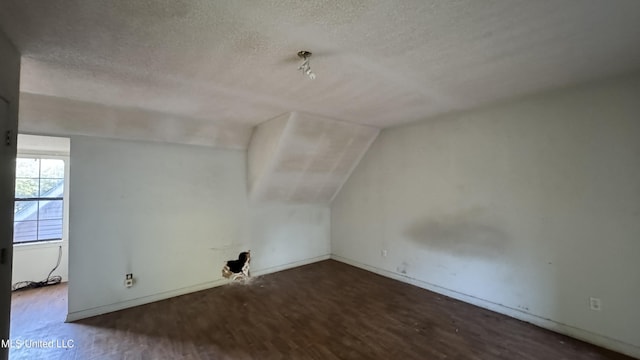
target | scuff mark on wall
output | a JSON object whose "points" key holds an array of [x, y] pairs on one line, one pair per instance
{"points": [[402, 269]]}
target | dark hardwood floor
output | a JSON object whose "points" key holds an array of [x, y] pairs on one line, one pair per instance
{"points": [[326, 310]]}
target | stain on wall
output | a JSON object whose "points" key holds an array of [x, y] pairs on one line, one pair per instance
{"points": [[468, 233], [402, 269]]}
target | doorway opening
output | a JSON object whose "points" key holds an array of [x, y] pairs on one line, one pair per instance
{"points": [[40, 240]]}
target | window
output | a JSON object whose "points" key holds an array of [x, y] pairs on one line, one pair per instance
{"points": [[39, 199]]}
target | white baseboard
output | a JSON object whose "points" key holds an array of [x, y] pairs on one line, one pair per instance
{"points": [[581, 334], [290, 265], [82, 314]]}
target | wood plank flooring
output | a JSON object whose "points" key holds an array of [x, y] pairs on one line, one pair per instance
{"points": [[326, 310]]}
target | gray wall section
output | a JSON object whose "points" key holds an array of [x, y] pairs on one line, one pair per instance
{"points": [[9, 92], [529, 208]]}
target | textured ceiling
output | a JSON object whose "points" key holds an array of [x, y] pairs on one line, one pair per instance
{"points": [[379, 63]]}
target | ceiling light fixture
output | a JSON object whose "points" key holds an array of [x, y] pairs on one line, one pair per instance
{"points": [[305, 67]]}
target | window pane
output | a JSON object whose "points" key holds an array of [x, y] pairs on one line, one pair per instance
{"points": [[49, 229], [50, 209], [27, 167], [52, 168], [39, 219], [25, 210], [25, 231], [51, 187], [26, 188]]}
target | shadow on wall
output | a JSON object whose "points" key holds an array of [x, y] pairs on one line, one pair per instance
{"points": [[460, 234]]}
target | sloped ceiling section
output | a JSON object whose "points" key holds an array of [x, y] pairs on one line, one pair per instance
{"points": [[51, 115], [303, 158]]}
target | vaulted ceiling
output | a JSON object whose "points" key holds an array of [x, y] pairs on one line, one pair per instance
{"points": [[225, 66]]}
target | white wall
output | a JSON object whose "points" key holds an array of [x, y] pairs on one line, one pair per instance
{"points": [[34, 261], [263, 145], [171, 215], [284, 236], [528, 208], [51, 115], [9, 92]]}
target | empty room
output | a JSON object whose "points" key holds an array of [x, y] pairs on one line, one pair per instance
{"points": [[394, 179]]}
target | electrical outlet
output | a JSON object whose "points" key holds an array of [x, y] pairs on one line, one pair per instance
{"points": [[595, 304], [128, 280], [383, 253]]}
